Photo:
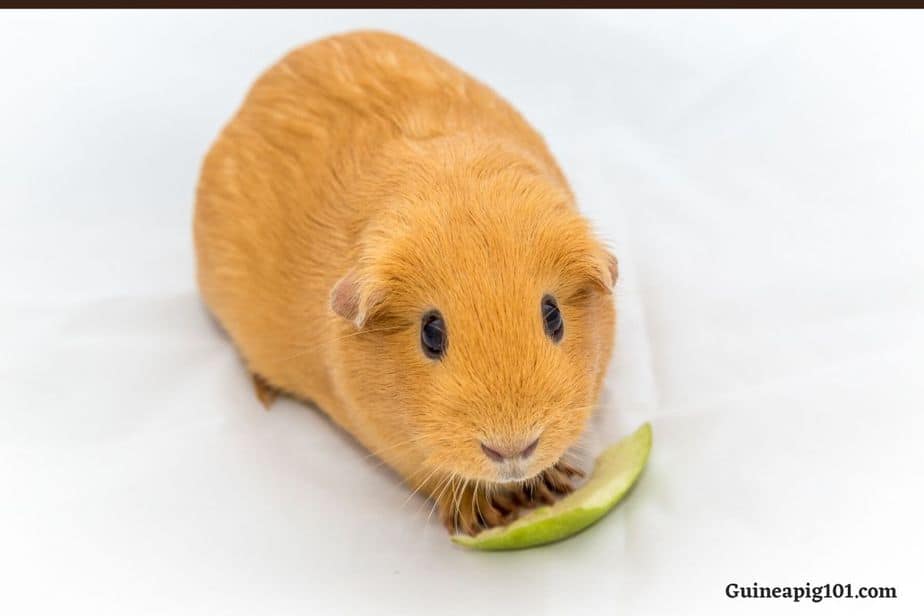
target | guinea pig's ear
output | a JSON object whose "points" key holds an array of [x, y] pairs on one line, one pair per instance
{"points": [[605, 270], [612, 266], [354, 299], [601, 269]]}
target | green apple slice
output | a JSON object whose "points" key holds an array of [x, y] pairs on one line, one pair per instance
{"points": [[615, 471]]}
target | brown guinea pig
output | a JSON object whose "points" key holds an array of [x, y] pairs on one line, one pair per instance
{"points": [[386, 237]]}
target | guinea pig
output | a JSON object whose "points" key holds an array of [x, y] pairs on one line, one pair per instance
{"points": [[385, 237]]}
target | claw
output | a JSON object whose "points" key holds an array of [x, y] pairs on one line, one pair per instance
{"points": [[265, 393], [569, 470], [504, 502], [544, 493]]}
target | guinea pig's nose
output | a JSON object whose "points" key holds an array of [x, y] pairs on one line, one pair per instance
{"points": [[499, 453]]}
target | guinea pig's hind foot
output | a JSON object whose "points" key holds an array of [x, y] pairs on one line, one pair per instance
{"points": [[265, 392]]}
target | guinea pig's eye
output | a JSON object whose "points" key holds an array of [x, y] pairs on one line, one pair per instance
{"points": [[551, 318], [433, 335]]}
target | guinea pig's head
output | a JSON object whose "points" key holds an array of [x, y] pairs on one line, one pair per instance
{"points": [[481, 322]]}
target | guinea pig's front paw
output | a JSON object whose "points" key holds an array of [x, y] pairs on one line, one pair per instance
{"points": [[548, 486], [473, 508]]}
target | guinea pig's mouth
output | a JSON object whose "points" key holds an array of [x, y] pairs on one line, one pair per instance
{"points": [[514, 471]]}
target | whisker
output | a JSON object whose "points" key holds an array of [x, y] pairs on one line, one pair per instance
{"points": [[422, 484], [474, 495], [456, 492], [436, 499], [436, 489], [439, 497]]}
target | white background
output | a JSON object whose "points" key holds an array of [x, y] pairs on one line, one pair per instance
{"points": [[760, 176]]}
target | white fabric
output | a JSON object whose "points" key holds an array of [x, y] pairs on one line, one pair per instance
{"points": [[760, 176]]}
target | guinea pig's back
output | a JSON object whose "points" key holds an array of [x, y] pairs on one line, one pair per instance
{"points": [[276, 215]]}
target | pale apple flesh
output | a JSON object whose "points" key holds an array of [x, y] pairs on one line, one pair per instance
{"points": [[614, 473]]}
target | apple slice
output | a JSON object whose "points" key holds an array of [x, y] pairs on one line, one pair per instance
{"points": [[614, 473]]}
